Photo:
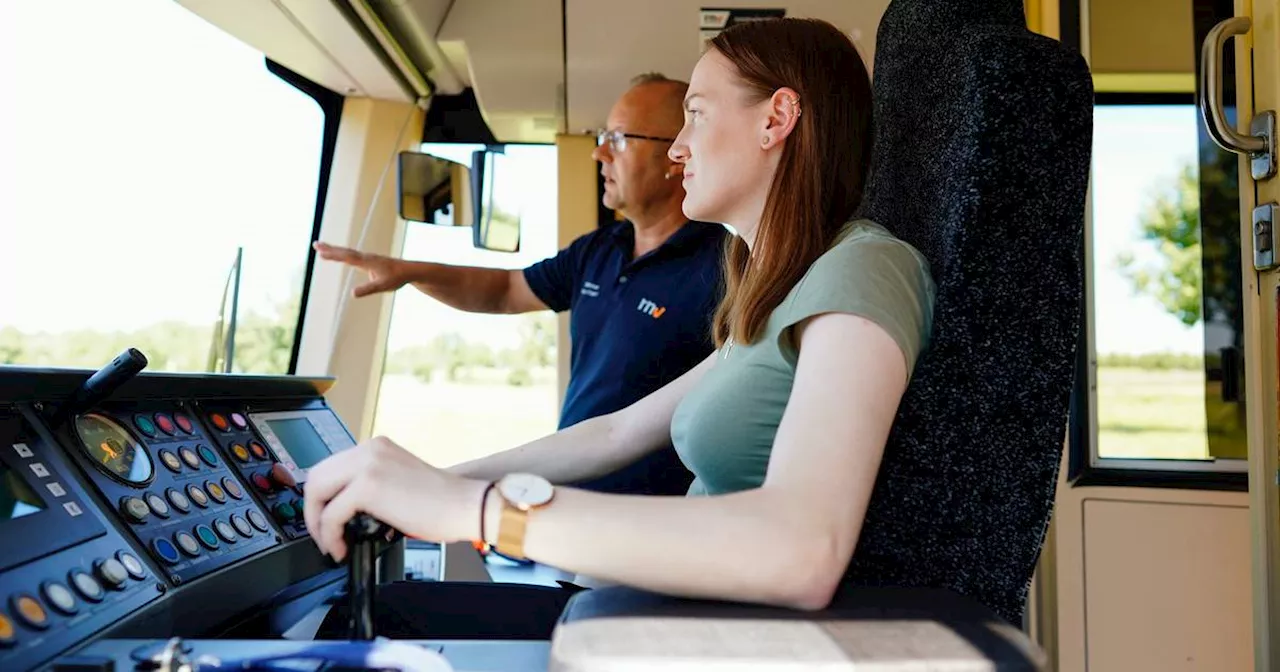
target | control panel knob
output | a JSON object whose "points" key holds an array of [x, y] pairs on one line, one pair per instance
{"points": [[111, 572], [282, 477], [134, 509]]}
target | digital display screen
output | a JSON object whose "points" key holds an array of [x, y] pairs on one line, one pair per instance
{"points": [[16, 498], [300, 438]]}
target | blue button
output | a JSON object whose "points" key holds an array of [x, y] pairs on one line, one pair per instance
{"points": [[166, 551], [207, 537]]}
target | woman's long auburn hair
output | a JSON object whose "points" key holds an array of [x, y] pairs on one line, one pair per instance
{"points": [[819, 180]]}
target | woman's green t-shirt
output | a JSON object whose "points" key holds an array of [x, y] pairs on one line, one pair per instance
{"points": [[724, 428]]}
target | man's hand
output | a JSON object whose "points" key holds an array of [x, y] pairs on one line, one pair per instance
{"points": [[385, 274]]}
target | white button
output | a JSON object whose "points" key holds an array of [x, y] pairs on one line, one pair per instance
{"points": [[56, 489], [72, 508], [622, 279], [39, 470], [22, 450]]}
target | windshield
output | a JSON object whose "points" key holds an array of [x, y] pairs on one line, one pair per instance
{"points": [[147, 151]]}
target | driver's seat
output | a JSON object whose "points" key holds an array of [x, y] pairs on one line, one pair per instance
{"points": [[981, 161]]}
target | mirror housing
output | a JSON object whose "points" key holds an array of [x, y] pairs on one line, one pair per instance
{"points": [[435, 190]]}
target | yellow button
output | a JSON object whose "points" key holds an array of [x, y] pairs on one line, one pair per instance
{"points": [[6, 630], [241, 452], [30, 611]]}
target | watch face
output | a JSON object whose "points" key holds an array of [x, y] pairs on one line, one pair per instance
{"points": [[525, 490]]}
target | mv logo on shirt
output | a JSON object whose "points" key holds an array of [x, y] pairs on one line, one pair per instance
{"points": [[651, 309], [590, 288]]}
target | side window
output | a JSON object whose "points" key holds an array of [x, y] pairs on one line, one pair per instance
{"points": [[458, 385], [1166, 363], [158, 179]]}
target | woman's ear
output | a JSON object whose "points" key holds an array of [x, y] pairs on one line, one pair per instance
{"points": [[783, 114]]}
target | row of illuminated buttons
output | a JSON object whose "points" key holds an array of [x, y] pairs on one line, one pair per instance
{"points": [[193, 458], [137, 509], [255, 449], [149, 424], [221, 422], [112, 573], [189, 544]]}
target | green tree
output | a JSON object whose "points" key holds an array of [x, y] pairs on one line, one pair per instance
{"points": [[1172, 222], [1196, 277]]}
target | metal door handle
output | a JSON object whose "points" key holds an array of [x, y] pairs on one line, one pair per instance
{"points": [[1260, 145]]}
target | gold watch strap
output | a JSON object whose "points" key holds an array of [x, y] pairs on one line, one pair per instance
{"points": [[511, 531]]}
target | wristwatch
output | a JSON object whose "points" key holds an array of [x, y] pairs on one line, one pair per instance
{"points": [[520, 494]]}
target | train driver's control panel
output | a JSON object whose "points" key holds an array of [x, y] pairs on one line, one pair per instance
{"points": [[151, 518], [154, 505]]}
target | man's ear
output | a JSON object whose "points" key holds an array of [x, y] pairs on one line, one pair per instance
{"points": [[782, 115]]}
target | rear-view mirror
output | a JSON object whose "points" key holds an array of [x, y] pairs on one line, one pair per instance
{"points": [[498, 223], [435, 190]]}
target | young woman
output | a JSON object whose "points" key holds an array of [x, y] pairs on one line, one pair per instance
{"points": [[783, 426]]}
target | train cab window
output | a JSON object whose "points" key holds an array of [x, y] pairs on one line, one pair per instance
{"points": [[456, 385], [1162, 398], [144, 152]]}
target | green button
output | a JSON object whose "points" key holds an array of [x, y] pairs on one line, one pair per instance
{"points": [[144, 425], [207, 537], [285, 512]]}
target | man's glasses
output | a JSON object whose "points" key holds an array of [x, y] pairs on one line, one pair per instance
{"points": [[618, 140]]}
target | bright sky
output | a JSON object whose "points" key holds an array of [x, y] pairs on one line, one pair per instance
{"points": [[1135, 149], [148, 145]]}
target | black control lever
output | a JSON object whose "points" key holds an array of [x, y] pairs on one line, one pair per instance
{"points": [[364, 536], [101, 384]]}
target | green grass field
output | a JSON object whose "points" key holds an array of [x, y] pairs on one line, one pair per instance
{"points": [[1142, 413], [1151, 413]]}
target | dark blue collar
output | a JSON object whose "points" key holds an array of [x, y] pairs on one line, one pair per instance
{"points": [[692, 235]]}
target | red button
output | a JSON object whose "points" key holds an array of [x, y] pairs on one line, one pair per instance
{"points": [[184, 423], [219, 421], [165, 423], [258, 449], [260, 482]]}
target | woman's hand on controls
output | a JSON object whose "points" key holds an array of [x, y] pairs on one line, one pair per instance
{"points": [[382, 479], [385, 273]]}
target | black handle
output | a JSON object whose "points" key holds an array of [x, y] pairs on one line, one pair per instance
{"points": [[364, 535], [102, 383]]}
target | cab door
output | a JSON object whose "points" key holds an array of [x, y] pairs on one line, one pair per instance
{"points": [[1164, 551], [1255, 35]]}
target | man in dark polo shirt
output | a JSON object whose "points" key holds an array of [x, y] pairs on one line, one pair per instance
{"points": [[641, 292]]}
